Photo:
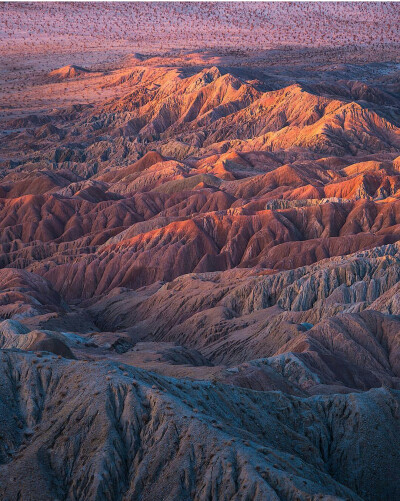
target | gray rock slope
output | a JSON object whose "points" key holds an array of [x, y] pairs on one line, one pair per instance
{"points": [[76, 430]]}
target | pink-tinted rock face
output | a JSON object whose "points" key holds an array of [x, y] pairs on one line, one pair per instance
{"points": [[199, 252]]}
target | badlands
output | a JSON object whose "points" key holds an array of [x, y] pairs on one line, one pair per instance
{"points": [[200, 252]]}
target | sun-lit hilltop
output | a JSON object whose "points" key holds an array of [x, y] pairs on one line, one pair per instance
{"points": [[70, 71]]}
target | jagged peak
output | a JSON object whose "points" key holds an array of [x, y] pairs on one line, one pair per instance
{"points": [[212, 72], [204, 77]]}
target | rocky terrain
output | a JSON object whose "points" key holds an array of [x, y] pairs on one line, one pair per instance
{"points": [[200, 255]]}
